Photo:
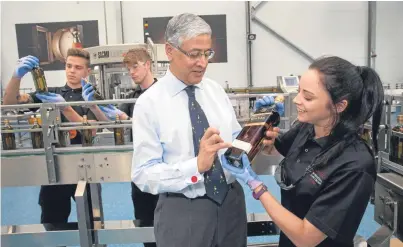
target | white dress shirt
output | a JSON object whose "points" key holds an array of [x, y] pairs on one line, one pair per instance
{"points": [[163, 156]]}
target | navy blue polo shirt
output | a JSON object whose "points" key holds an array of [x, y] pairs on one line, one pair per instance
{"points": [[335, 203], [70, 94]]}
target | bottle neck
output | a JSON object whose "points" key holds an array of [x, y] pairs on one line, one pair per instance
{"points": [[36, 125], [7, 125]]}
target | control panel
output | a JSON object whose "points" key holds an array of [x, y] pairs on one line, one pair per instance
{"points": [[288, 84], [106, 54]]}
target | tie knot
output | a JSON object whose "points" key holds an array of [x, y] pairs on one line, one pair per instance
{"points": [[190, 90]]}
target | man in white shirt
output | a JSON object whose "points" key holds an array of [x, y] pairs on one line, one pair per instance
{"points": [[183, 124]]}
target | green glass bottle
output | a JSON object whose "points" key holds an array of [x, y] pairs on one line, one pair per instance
{"points": [[36, 137], [119, 133], [8, 139], [86, 134], [39, 79]]}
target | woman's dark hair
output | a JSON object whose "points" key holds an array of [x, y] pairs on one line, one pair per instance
{"points": [[362, 88]]}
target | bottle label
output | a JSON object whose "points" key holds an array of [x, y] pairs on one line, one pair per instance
{"points": [[245, 146], [260, 117], [258, 124]]}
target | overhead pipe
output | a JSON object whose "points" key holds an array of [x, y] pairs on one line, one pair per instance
{"points": [[371, 34], [258, 6], [248, 46], [121, 21], [106, 24], [277, 35]]}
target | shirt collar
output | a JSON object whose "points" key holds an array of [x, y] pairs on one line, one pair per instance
{"points": [[139, 90], [176, 85], [67, 88], [311, 136]]}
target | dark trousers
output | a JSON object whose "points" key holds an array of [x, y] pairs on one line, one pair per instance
{"points": [[144, 205], [55, 202], [200, 222]]}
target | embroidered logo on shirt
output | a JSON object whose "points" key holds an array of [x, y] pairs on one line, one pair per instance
{"points": [[316, 178]]}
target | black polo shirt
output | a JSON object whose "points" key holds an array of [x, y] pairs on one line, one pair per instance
{"points": [[335, 203], [70, 94], [129, 107]]}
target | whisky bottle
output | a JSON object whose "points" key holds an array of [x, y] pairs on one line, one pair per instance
{"points": [[396, 143], [97, 94], [86, 134], [8, 139], [61, 135], [366, 136], [278, 99], [39, 80], [76, 39], [119, 133], [250, 138], [36, 137]]}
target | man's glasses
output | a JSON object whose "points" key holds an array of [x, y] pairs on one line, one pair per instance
{"points": [[194, 55]]}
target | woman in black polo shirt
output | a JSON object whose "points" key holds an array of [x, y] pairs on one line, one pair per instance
{"points": [[328, 173]]}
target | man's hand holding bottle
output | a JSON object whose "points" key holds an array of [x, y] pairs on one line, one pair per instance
{"points": [[268, 101], [110, 111], [24, 65]]}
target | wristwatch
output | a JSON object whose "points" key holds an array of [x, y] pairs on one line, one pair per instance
{"points": [[260, 192]]}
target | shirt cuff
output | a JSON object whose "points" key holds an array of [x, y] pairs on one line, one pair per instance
{"points": [[191, 172], [235, 134]]}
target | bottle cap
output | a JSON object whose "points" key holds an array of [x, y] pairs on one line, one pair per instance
{"points": [[279, 98]]}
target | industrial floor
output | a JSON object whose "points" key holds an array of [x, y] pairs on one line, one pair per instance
{"points": [[19, 205]]}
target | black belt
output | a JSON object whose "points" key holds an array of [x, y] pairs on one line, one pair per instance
{"points": [[171, 194]]}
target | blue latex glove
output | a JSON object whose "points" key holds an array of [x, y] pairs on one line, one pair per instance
{"points": [[87, 91], [25, 64], [245, 174], [279, 108], [50, 97], [269, 101], [263, 102], [110, 111]]}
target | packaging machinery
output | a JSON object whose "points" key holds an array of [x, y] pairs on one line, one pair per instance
{"points": [[388, 197], [100, 164], [94, 165], [106, 163], [109, 74]]}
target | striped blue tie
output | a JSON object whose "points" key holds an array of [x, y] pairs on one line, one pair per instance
{"points": [[214, 179]]}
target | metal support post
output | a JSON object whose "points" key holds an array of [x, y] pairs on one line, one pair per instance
{"points": [[382, 135], [48, 137], [388, 128], [83, 217], [381, 238], [97, 209]]}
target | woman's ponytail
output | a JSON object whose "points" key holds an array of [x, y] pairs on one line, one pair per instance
{"points": [[372, 100]]}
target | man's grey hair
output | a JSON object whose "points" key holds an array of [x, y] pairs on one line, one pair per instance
{"points": [[184, 27]]}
